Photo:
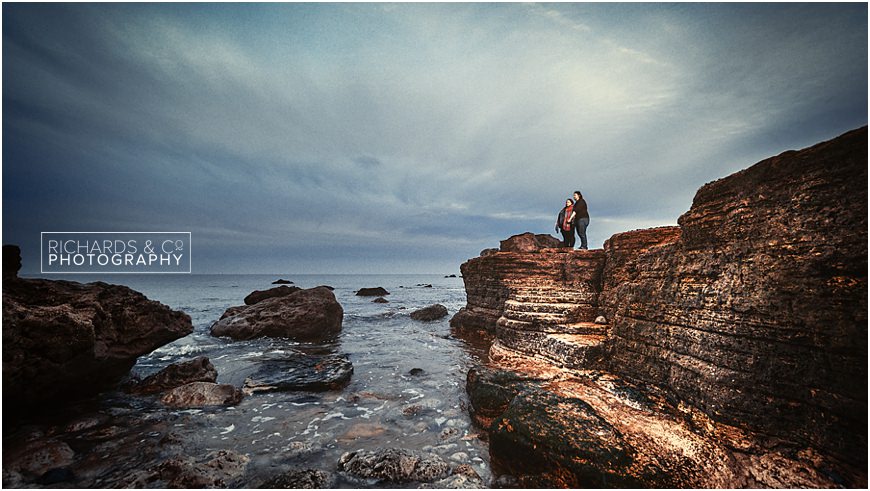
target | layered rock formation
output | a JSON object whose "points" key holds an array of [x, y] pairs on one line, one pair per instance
{"points": [[65, 339], [748, 322]]}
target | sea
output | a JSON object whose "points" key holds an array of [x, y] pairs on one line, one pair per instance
{"points": [[384, 406]]}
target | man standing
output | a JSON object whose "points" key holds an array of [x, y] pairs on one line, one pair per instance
{"points": [[581, 218]]}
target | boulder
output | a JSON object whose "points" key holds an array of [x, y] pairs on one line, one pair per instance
{"points": [[302, 372], [11, 261], [199, 369], [282, 281], [304, 315], [299, 479], [380, 300], [64, 340], [260, 295], [199, 394], [372, 292], [488, 252], [36, 458], [529, 242], [430, 313], [219, 469], [394, 465]]}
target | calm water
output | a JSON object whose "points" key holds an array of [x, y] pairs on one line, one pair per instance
{"points": [[384, 406]]}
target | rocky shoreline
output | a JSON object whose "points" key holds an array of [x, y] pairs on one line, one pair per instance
{"points": [[730, 351]]}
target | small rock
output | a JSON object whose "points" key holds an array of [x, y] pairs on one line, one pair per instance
{"points": [[199, 394], [416, 371], [220, 469], [282, 281], [381, 300], [601, 320], [412, 410], [430, 313], [38, 457], [372, 292], [394, 465], [362, 430]]}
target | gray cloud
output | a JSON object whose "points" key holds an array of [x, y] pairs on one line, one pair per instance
{"points": [[366, 137]]}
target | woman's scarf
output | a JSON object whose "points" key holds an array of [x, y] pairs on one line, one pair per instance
{"points": [[566, 222]]}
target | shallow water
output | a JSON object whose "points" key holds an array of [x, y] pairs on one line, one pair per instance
{"points": [[384, 405]]}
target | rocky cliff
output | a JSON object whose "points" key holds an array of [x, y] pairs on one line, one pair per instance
{"points": [[741, 334]]}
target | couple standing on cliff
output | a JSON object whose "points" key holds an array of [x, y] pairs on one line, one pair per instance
{"points": [[573, 217]]}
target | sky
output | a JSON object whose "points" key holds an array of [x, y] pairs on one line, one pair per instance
{"points": [[401, 138]]}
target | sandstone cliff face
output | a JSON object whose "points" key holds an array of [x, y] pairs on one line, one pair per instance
{"points": [[752, 313]]}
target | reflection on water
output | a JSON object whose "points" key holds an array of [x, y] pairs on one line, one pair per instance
{"points": [[407, 390]]}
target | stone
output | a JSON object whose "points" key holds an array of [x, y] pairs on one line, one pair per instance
{"points": [[299, 479], [279, 291], [601, 320], [64, 340], [414, 372], [282, 281], [315, 373], [488, 252], [529, 242], [304, 315], [200, 394], [380, 300], [430, 313], [36, 458], [199, 369], [372, 292], [450, 276], [219, 469], [394, 465]]}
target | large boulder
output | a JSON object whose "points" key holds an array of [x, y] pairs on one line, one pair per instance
{"points": [[63, 340], [11, 261], [304, 315], [302, 372], [260, 295], [529, 242], [199, 369]]}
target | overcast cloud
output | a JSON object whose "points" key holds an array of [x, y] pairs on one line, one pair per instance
{"points": [[349, 138]]}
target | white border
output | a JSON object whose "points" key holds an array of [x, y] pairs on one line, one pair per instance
{"points": [[189, 258]]}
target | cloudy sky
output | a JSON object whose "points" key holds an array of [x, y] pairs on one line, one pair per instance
{"points": [[365, 138]]}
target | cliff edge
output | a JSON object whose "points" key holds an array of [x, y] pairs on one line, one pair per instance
{"points": [[730, 351]]}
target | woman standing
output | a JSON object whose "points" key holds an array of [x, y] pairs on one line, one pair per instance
{"points": [[565, 225]]}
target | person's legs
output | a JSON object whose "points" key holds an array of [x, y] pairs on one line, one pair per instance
{"points": [[582, 223], [570, 238], [565, 236]]}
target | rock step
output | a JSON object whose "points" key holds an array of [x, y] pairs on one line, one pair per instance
{"points": [[544, 308], [554, 296], [571, 351], [555, 328], [579, 313]]}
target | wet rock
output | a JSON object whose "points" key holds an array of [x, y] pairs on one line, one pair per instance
{"points": [[199, 369], [64, 340], [424, 285], [372, 292], [529, 242], [414, 372], [199, 394], [303, 315], [299, 479], [260, 295], [430, 313], [301, 372], [462, 477], [362, 430], [450, 276], [35, 458], [490, 391], [56, 476], [219, 469], [380, 300], [394, 465], [282, 281]]}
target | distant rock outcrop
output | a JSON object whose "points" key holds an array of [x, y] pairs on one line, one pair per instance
{"points": [[282, 281], [730, 346], [304, 315], [372, 292], [63, 339], [529, 242]]}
